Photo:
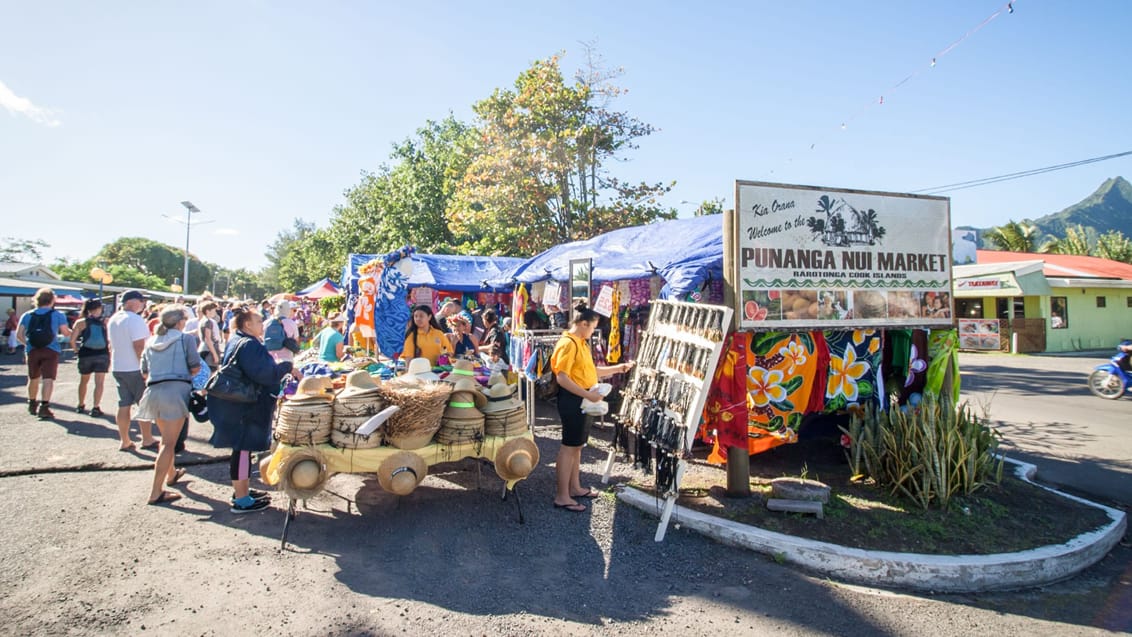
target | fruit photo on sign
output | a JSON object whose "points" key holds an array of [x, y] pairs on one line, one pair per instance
{"points": [[903, 304], [832, 305], [799, 304], [762, 305]]}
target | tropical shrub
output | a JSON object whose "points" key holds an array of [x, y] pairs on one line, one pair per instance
{"points": [[927, 453]]}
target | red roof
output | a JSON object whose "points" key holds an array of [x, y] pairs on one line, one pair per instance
{"points": [[1062, 266]]}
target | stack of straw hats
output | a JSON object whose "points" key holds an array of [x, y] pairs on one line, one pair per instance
{"points": [[516, 459], [504, 414], [421, 405], [358, 401], [420, 369], [462, 420], [305, 418], [401, 472], [461, 368]]}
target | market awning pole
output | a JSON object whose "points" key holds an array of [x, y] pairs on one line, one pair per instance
{"points": [[738, 473], [738, 460]]}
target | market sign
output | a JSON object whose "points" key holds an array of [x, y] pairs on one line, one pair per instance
{"points": [[823, 258], [978, 284]]}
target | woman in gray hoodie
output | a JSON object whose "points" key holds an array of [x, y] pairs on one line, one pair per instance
{"points": [[169, 362]]}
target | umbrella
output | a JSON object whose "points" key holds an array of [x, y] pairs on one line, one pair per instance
{"points": [[320, 290]]}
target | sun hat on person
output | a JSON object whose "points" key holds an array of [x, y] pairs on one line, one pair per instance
{"points": [[283, 309], [336, 318]]}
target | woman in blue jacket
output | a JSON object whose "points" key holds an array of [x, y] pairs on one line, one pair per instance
{"points": [[246, 427]]}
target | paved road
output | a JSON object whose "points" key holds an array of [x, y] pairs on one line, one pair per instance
{"points": [[1048, 417], [81, 554]]}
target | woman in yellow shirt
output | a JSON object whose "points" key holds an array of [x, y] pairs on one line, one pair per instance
{"points": [[424, 338], [574, 369]]}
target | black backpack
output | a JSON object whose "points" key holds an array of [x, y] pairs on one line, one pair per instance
{"points": [[40, 334]]}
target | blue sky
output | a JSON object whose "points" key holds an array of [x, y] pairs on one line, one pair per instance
{"points": [[111, 113]]}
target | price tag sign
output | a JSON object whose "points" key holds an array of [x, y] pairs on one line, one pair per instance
{"points": [[552, 295], [604, 303]]}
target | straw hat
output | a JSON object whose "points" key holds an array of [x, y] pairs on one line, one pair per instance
{"points": [[495, 378], [516, 459], [310, 389], [421, 369], [401, 472], [283, 309], [336, 318], [461, 368], [359, 382], [466, 400], [303, 474], [500, 397]]}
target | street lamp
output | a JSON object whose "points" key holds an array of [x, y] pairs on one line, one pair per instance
{"points": [[188, 221], [103, 277]]}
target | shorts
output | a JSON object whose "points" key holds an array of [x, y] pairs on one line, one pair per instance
{"points": [[575, 424], [168, 400], [94, 364], [43, 362], [131, 386]]}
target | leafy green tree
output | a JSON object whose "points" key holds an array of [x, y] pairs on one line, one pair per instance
{"points": [[22, 250], [405, 202], [157, 259], [280, 250], [538, 174], [712, 206], [311, 258], [123, 275], [1013, 236], [1114, 245]]}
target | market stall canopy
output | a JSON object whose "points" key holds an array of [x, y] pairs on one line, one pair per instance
{"points": [[449, 272], [320, 290], [684, 252]]}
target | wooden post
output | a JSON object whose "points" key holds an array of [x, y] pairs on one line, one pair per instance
{"points": [[738, 472]]}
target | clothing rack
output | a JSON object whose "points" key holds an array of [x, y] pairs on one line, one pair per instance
{"points": [[540, 337]]}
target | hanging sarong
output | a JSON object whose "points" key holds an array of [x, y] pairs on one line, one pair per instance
{"points": [[615, 327], [782, 374], [943, 363], [854, 369], [725, 409], [391, 308]]}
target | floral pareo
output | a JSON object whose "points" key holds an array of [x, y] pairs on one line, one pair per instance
{"points": [[783, 371], [854, 369]]}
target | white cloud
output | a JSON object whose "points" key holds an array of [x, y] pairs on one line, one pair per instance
{"points": [[226, 231], [17, 105]]}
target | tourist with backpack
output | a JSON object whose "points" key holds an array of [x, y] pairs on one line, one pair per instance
{"points": [[90, 341], [281, 334], [37, 331]]}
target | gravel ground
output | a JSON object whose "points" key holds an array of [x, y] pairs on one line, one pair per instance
{"points": [[83, 555]]}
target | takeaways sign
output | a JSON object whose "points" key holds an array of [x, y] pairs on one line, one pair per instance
{"points": [[818, 258]]}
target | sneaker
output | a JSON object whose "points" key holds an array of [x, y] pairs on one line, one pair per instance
{"points": [[32, 406], [81, 409], [254, 506], [255, 493], [45, 412], [95, 412]]}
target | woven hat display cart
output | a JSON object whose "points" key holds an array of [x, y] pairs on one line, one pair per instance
{"points": [[303, 474], [462, 420]]}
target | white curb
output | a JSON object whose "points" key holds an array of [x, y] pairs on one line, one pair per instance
{"points": [[938, 573]]}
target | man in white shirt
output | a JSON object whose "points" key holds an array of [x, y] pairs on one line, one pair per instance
{"points": [[128, 332]]}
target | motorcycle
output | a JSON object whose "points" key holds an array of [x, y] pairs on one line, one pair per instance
{"points": [[1111, 380]]}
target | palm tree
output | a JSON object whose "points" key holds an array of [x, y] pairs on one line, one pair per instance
{"points": [[1114, 245], [1075, 241], [1013, 236]]}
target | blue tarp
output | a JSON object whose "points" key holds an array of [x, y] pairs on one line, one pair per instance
{"points": [[448, 272], [686, 253]]}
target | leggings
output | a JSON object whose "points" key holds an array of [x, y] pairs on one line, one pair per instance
{"points": [[240, 466]]}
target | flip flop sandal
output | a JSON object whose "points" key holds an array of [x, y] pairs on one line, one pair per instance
{"points": [[573, 508], [180, 473], [152, 446], [130, 448], [589, 494], [165, 498]]}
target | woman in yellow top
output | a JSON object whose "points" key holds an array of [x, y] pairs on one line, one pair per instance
{"points": [[424, 338], [574, 369]]}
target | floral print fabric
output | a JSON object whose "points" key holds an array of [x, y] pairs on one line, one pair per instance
{"points": [[854, 369], [783, 371]]}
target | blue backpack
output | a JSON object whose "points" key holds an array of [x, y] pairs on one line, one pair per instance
{"points": [[94, 335], [274, 335], [39, 332]]}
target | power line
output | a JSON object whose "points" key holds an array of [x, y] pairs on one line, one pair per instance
{"points": [[974, 183]]}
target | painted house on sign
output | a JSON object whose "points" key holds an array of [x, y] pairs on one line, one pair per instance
{"points": [[1042, 302]]}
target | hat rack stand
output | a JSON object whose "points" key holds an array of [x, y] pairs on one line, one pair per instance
{"points": [[668, 386]]}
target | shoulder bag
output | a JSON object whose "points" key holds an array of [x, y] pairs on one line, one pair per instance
{"points": [[229, 383]]}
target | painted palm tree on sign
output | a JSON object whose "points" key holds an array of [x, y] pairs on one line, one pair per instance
{"points": [[1014, 236]]}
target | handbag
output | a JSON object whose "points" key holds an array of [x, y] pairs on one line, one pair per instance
{"points": [[230, 384]]}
